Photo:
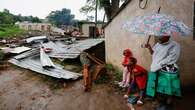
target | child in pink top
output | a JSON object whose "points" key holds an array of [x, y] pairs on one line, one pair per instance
{"points": [[126, 74]]}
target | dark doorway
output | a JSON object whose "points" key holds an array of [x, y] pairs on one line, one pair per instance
{"points": [[42, 27], [91, 31]]}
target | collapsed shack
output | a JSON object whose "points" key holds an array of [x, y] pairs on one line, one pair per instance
{"points": [[31, 59]]}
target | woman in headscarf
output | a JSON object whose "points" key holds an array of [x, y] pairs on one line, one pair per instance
{"points": [[164, 76]]}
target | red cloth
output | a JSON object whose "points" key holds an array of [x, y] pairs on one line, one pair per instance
{"points": [[127, 54], [141, 76]]}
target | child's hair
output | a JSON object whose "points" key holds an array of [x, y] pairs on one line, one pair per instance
{"points": [[134, 60]]}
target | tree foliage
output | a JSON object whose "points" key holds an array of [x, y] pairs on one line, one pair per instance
{"points": [[61, 17], [27, 18], [7, 21], [110, 6], [8, 18], [90, 18]]}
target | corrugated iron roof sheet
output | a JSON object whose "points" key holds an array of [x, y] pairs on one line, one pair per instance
{"points": [[28, 40], [71, 51], [31, 59], [33, 63], [16, 50]]}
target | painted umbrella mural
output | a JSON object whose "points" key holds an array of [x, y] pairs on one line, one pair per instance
{"points": [[157, 25]]}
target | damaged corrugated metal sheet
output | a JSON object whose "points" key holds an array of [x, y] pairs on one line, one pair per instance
{"points": [[16, 50], [45, 60], [31, 59], [27, 54], [33, 63], [32, 39], [60, 50]]}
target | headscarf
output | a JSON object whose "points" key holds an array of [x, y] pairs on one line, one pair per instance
{"points": [[127, 54]]}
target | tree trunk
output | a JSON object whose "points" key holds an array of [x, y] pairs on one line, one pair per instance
{"points": [[111, 8], [108, 13], [107, 8], [114, 7]]}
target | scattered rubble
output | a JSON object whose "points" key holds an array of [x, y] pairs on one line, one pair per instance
{"points": [[36, 58]]}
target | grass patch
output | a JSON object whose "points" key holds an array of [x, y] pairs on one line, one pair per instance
{"points": [[116, 76], [7, 31], [116, 73], [109, 67], [103, 79], [112, 75]]}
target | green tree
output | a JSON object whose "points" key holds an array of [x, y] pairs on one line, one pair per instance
{"points": [[36, 20], [28, 18], [6, 11], [61, 17], [6, 17], [90, 18], [110, 6]]}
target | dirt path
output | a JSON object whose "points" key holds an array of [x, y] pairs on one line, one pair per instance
{"points": [[24, 90]]}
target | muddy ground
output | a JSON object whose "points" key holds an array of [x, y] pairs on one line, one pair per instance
{"points": [[21, 89]]}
